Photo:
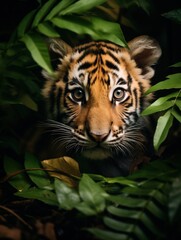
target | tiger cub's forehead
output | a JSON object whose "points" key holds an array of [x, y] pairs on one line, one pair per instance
{"points": [[99, 60]]}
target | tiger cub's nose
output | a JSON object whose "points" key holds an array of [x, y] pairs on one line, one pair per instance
{"points": [[98, 137]]}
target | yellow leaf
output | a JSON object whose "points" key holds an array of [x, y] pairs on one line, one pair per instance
{"points": [[63, 168]]}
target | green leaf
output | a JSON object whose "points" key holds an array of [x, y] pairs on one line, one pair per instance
{"points": [[39, 50], [175, 199], [27, 101], [81, 6], [107, 235], [163, 125], [174, 81], [123, 212], [176, 115], [92, 193], [45, 196], [176, 64], [58, 8], [73, 24], [157, 107], [178, 103], [117, 225], [127, 201], [19, 181], [145, 5], [174, 15], [155, 210], [44, 10], [67, 197], [47, 29], [25, 24], [39, 177], [95, 27], [86, 209], [107, 30], [161, 104], [139, 216], [121, 180]]}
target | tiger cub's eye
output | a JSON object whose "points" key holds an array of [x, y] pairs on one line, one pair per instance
{"points": [[118, 94], [77, 94]]}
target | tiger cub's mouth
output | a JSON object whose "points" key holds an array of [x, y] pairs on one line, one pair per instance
{"points": [[73, 142]]}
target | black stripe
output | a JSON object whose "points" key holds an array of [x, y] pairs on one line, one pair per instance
{"points": [[93, 80], [74, 81], [130, 80], [65, 78], [58, 99], [142, 97], [85, 47], [136, 97], [121, 81], [84, 54], [85, 65], [113, 57], [52, 98]]}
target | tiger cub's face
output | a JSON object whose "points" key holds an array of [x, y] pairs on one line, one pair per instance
{"points": [[98, 95]]}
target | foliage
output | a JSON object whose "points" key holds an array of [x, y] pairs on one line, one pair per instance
{"points": [[170, 103], [123, 207], [126, 207], [18, 61]]}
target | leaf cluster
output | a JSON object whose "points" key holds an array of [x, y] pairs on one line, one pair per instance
{"points": [[170, 105], [26, 52], [127, 207]]}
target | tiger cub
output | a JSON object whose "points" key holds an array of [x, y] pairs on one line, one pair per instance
{"points": [[95, 99]]}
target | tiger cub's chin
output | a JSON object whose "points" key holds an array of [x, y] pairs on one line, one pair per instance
{"points": [[96, 154]]}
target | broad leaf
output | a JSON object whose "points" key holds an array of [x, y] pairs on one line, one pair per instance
{"points": [[48, 30], [68, 198], [86, 209], [77, 25], [123, 212], [95, 27], [58, 8], [39, 50], [161, 104], [176, 64], [39, 177], [174, 15], [81, 6], [44, 10], [25, 24], [128, 202], [175, 200], [163, 125], [19, 180], [155, 107], [174, 81], [107, 30], [27, 101], [153, 193], [92, 193], [176, 114], [45, 196], [145, 5], [119, 226], [178, 103], [122, 181], [107, 235]]}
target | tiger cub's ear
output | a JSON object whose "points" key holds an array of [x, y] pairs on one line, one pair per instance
{"points": [[146, 52], [59, 47], [58, 51]]}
